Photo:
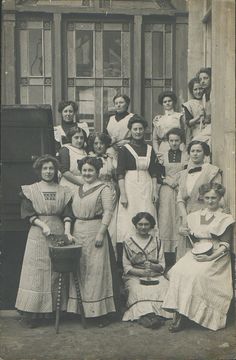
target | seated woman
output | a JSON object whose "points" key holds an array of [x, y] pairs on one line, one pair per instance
{"points": [[92, 207], [143, 256], [200, 286], [98, 144], [68, 110], [44, 204], [68, 156], [163, 123]]}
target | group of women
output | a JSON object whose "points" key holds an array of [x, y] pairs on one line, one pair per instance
{"points": [[127, 202]]}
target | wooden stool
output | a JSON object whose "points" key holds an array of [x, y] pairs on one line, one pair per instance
{"points": [[65, 260]]}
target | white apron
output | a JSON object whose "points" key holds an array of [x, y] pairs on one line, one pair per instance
{"points": [[75, 155], [138, 185]]}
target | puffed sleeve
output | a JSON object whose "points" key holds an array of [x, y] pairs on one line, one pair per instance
{"points": [[27, 209], [127, 266], [226, 237], [153, 166], [64, 159], [107, 205], [121, 164], [187, 115], [67, 214]]}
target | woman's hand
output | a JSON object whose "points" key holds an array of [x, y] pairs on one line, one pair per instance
{"points": [[122, 142], [71, 239], [155, 197], [124, 200], [46, 230], [202, 258], [99, 240], [184, 230]]}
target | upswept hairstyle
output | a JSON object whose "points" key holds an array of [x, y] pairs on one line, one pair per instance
{"points": [[218, 188], [40, 161], [104, 138], [168, 93], [175, 131], [204, 146], [125, 97], [62, 104], [91, 160], [76, 129], [206, 70], [137, 119], [144, 215]]}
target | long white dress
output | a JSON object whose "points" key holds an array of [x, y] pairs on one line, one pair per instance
{"points": [[37, 291], [202, 291]]}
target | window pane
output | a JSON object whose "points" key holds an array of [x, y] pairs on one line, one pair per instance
{"points": [[157, 54], [35, 52], [112, 53], [85, 101], [35, 94], [84, 53]]}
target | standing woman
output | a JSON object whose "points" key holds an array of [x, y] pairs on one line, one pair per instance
{"points": [[174, 160], [163, 123], [196, 174], [99, 144], [68, 110], [137, 177], [43, 204], [69, 154], [117, 124], [92, 208]]}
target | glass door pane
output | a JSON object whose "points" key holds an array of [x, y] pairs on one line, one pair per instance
{"points": [[93, 84]]}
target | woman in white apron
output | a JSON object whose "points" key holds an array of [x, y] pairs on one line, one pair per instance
{"points": [[68, 110], [163, 123], [200, 285], [117, 127], [69, 154], [137, 178]]}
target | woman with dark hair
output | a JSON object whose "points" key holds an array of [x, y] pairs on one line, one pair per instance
{"points": [[69, 154], [174, 160], [200, 286], [137, 177], [190, 179], [68, 110], [204, 76], [43, 203], [117, 124], [92, 207], [195, 116], [99, 144], [163, 123], [143, 256]]}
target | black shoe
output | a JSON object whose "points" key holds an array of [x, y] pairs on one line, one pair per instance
{"points": [[177, 324]]}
